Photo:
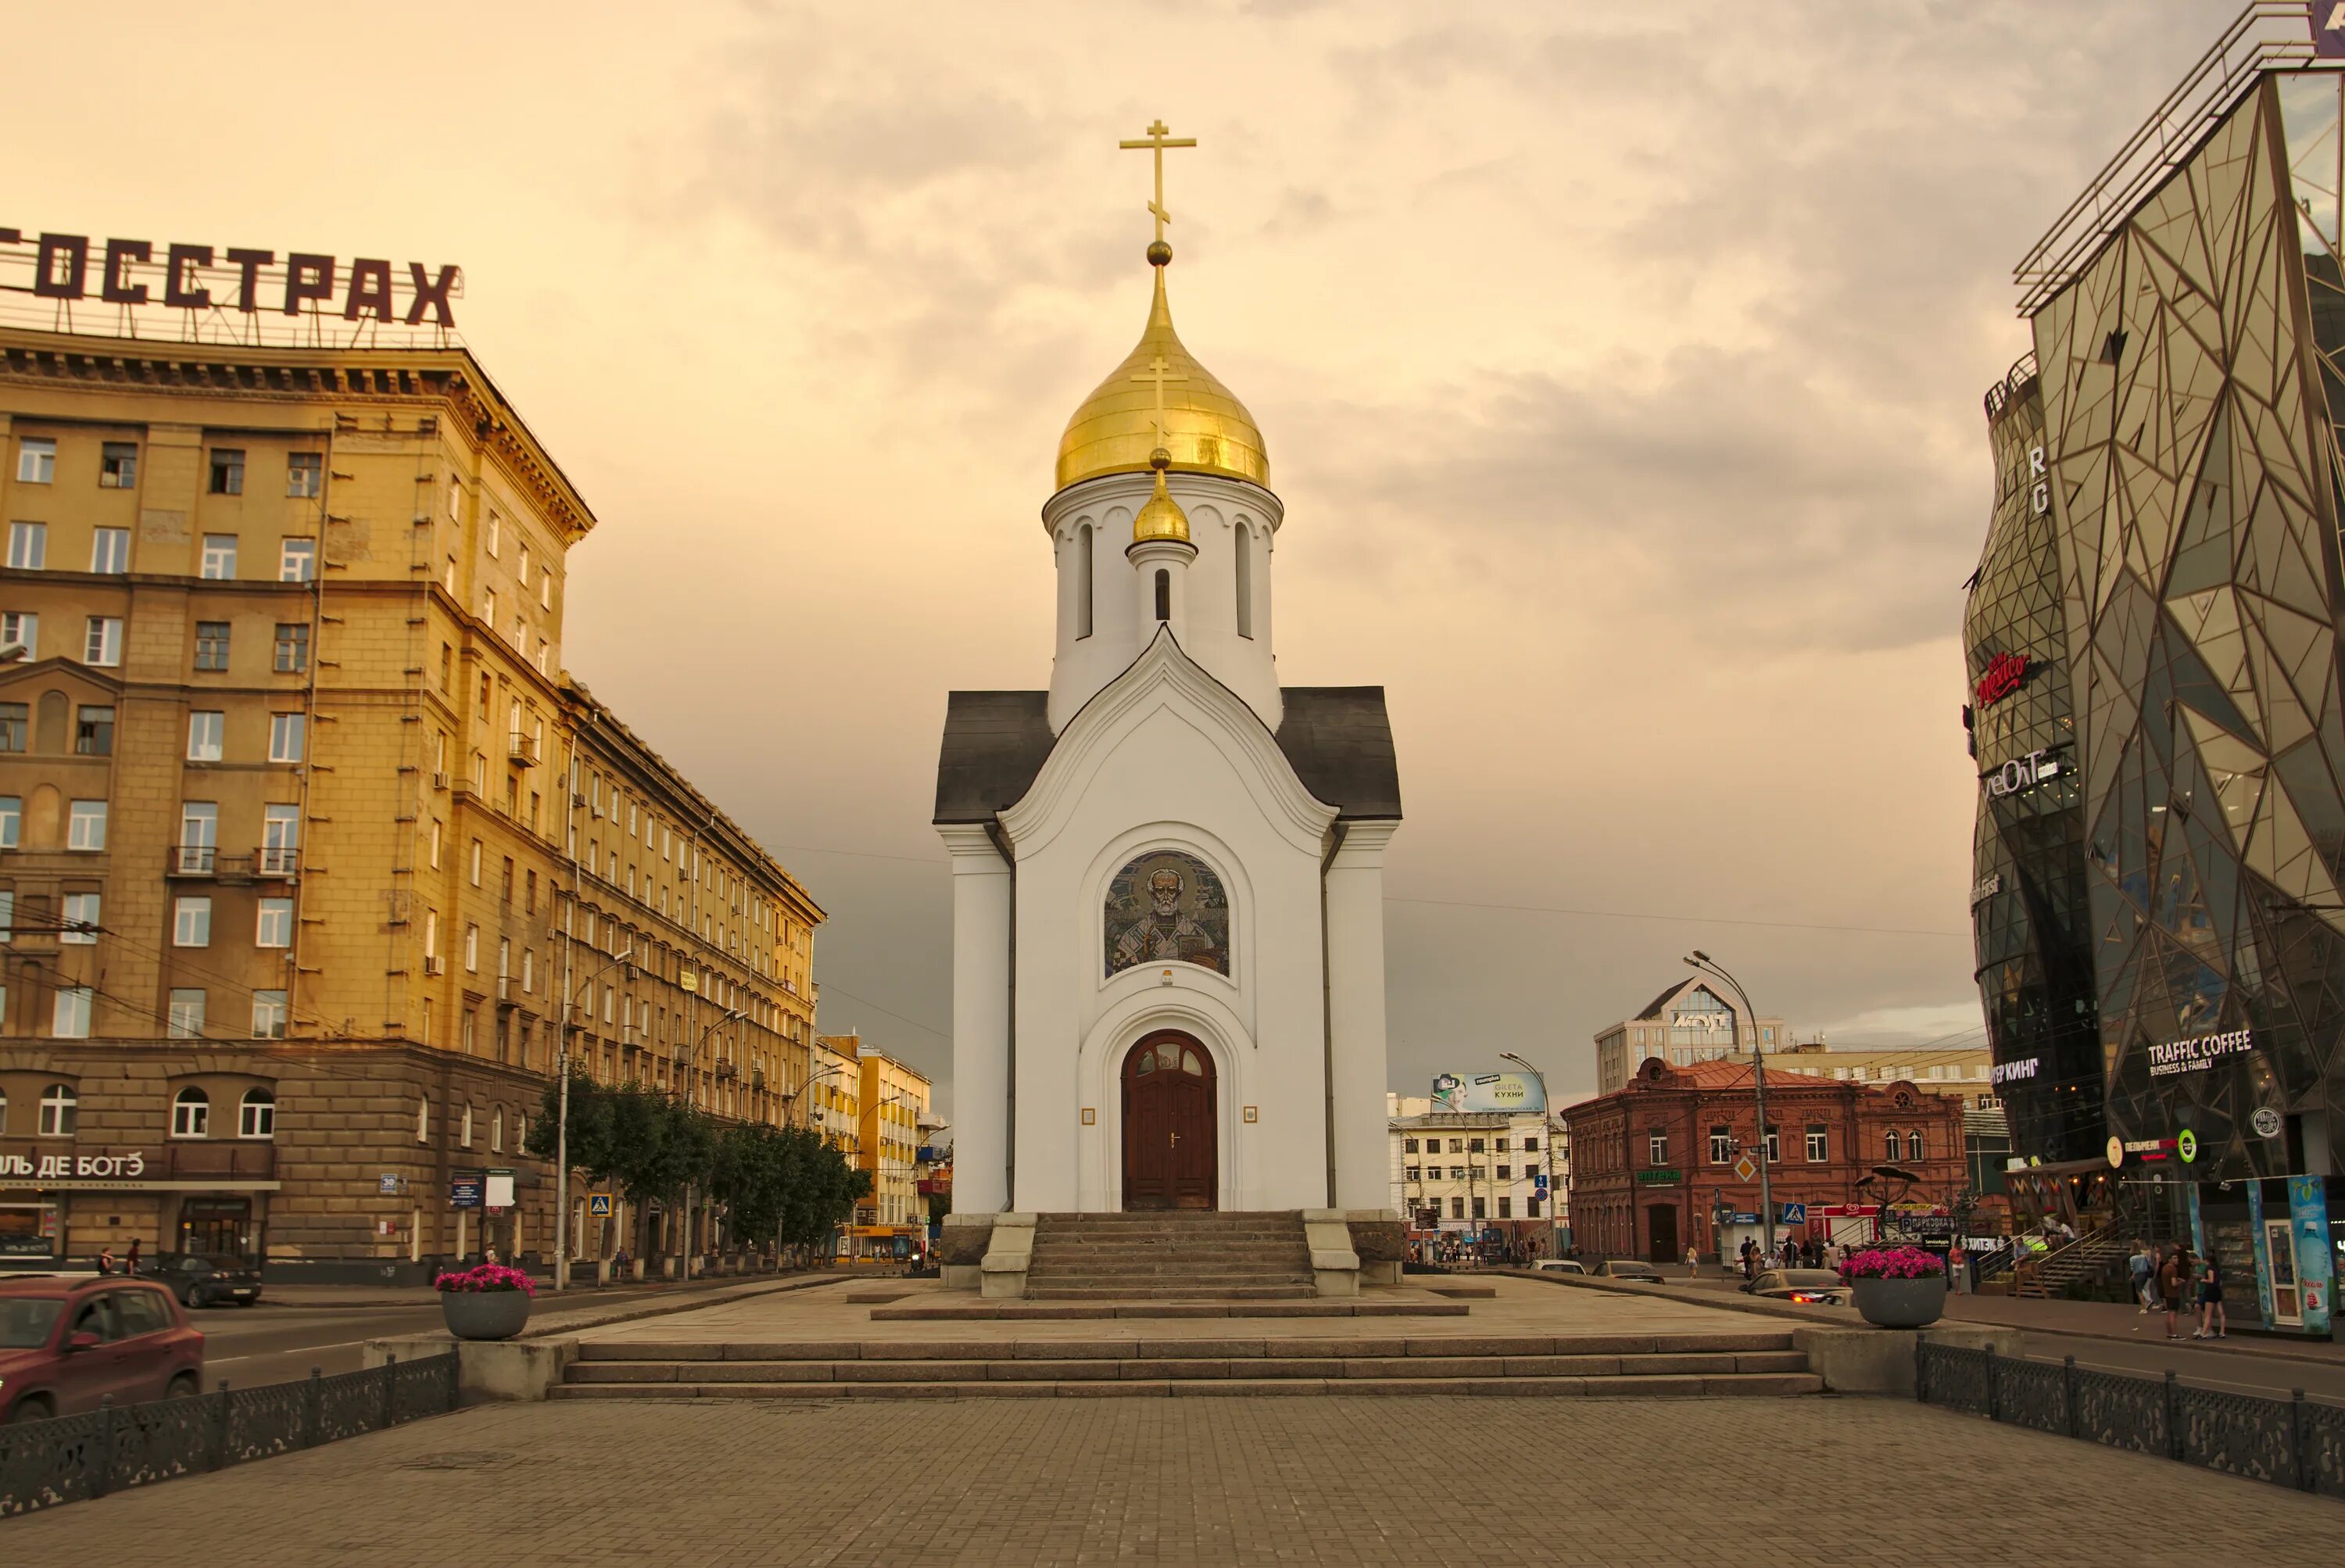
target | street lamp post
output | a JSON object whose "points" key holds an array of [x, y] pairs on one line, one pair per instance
{"points": [[1547, 1139], [812, 1079], [561, 1121], [1701, 961], [684, 1230]]}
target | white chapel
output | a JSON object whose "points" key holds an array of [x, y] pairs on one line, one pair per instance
{"points": [[1168, 924]]}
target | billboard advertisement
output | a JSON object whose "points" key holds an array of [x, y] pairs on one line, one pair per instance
{"points": [[1504, 1092]]}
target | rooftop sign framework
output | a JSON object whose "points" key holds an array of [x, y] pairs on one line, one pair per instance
{"points": [[232, 296], [2268, 36]]}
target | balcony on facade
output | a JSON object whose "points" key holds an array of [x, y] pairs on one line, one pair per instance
{"points": [[275, 862]]}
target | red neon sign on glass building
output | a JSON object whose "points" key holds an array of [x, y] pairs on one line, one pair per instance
{"points": [[2002, 677]]}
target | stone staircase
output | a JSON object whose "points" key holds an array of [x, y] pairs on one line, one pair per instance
{"points": [[1581, 1365], [2088, 1258], [1170, 1255]]}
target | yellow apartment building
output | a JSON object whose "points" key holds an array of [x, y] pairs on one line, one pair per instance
{"points": [[309, 846], [894, 1102], [834, 1095]]}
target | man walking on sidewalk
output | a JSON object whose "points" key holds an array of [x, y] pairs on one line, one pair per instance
{"points": [[2173, 1283], [2137, 1269]]}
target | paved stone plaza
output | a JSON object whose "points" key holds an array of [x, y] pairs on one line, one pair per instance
{"points": [[1419, 1482]]}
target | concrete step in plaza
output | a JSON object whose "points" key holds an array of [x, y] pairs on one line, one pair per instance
{"points": [[1170, 1257], [1381, 1304], [1586, 1365]]}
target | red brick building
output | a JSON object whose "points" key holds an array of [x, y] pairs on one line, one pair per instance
{"points": [[1652, 1162]]}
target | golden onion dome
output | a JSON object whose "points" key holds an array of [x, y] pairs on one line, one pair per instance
{"points": [[1207, 430], [1161, 517]]}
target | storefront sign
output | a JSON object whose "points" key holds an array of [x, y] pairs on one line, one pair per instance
{"points": [[1659, 1178], [2144, 1150], [65, 1168], [465, 1189], [1985, 888], [2266, 1122], [497, 1192], [2186, 1145], [2004, 674], [2170, 1056], [2022, 773], [2014, 1072]]}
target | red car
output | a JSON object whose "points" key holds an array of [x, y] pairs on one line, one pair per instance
{"points": [[67, 1343]]}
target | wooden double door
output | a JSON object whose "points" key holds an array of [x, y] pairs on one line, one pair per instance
{"points": [[1170, 1157]]}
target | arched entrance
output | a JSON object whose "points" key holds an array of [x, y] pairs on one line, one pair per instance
{"points": [[1170, 1150]]}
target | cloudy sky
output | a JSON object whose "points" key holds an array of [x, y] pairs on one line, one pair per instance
{"points": [[1620, 367]]}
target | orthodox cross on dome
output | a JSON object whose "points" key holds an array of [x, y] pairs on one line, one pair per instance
{"points": [[1157, 141], [1159, 371]]}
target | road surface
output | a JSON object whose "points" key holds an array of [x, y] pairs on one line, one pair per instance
{"points": [[264, 1344]]}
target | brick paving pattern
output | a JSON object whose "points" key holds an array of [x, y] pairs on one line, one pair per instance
{"points": [[1412, 1481]]}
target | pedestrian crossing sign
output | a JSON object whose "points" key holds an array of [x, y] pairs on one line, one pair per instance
{"points": [[598, 1205]]}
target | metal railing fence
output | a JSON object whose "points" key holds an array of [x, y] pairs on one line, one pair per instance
{"points": [[2294, 1442], [43, 1463]]}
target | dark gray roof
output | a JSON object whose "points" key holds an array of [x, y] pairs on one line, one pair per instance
{"points": [[1340, 745], [1653, 1009], [1335, 737], [995, 742]]}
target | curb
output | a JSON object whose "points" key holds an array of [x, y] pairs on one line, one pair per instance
{"points": [[590, 1318], [1735, 1301]]}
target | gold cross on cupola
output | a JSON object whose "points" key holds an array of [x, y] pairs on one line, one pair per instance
{"points": [[1156, 141], [1159, 371]]}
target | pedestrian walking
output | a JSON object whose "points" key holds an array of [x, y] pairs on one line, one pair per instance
{"points": [[106, 1260], [132, 1267], [2212, 1323], [1694, 1262], [2138, 1268], [2173, 1284]]}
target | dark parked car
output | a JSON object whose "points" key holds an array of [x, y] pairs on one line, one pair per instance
{"points": [[1817, 1287], [65, 1344], [204, 1278]]}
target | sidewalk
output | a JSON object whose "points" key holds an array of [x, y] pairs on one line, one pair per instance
{"points": [[2109, 1320], [2113, 1320]]}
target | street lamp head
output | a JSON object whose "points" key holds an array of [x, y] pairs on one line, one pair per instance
{"points": [[1698, 957]]}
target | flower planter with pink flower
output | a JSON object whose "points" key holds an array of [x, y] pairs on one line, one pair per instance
{"points": [[1897, 1286], [490, 1302]]}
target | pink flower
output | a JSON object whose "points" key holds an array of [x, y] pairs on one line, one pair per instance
{"points": [[487, 1277], [1893, 1263]]}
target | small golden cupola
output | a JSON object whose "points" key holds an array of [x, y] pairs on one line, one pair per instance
{"points": [[1161, 401], [1161, 517]]}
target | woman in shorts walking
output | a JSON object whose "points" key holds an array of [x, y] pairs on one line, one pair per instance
{"points": [[2212, 1323]]}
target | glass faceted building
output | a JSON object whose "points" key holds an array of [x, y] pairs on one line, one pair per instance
{"points": [[2028, 906], [2190, 396]]}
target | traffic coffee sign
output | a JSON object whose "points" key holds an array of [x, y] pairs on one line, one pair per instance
{"points": [[598, 1205], [2186, 1145], [2266, 1122], [1744, 1169]]}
